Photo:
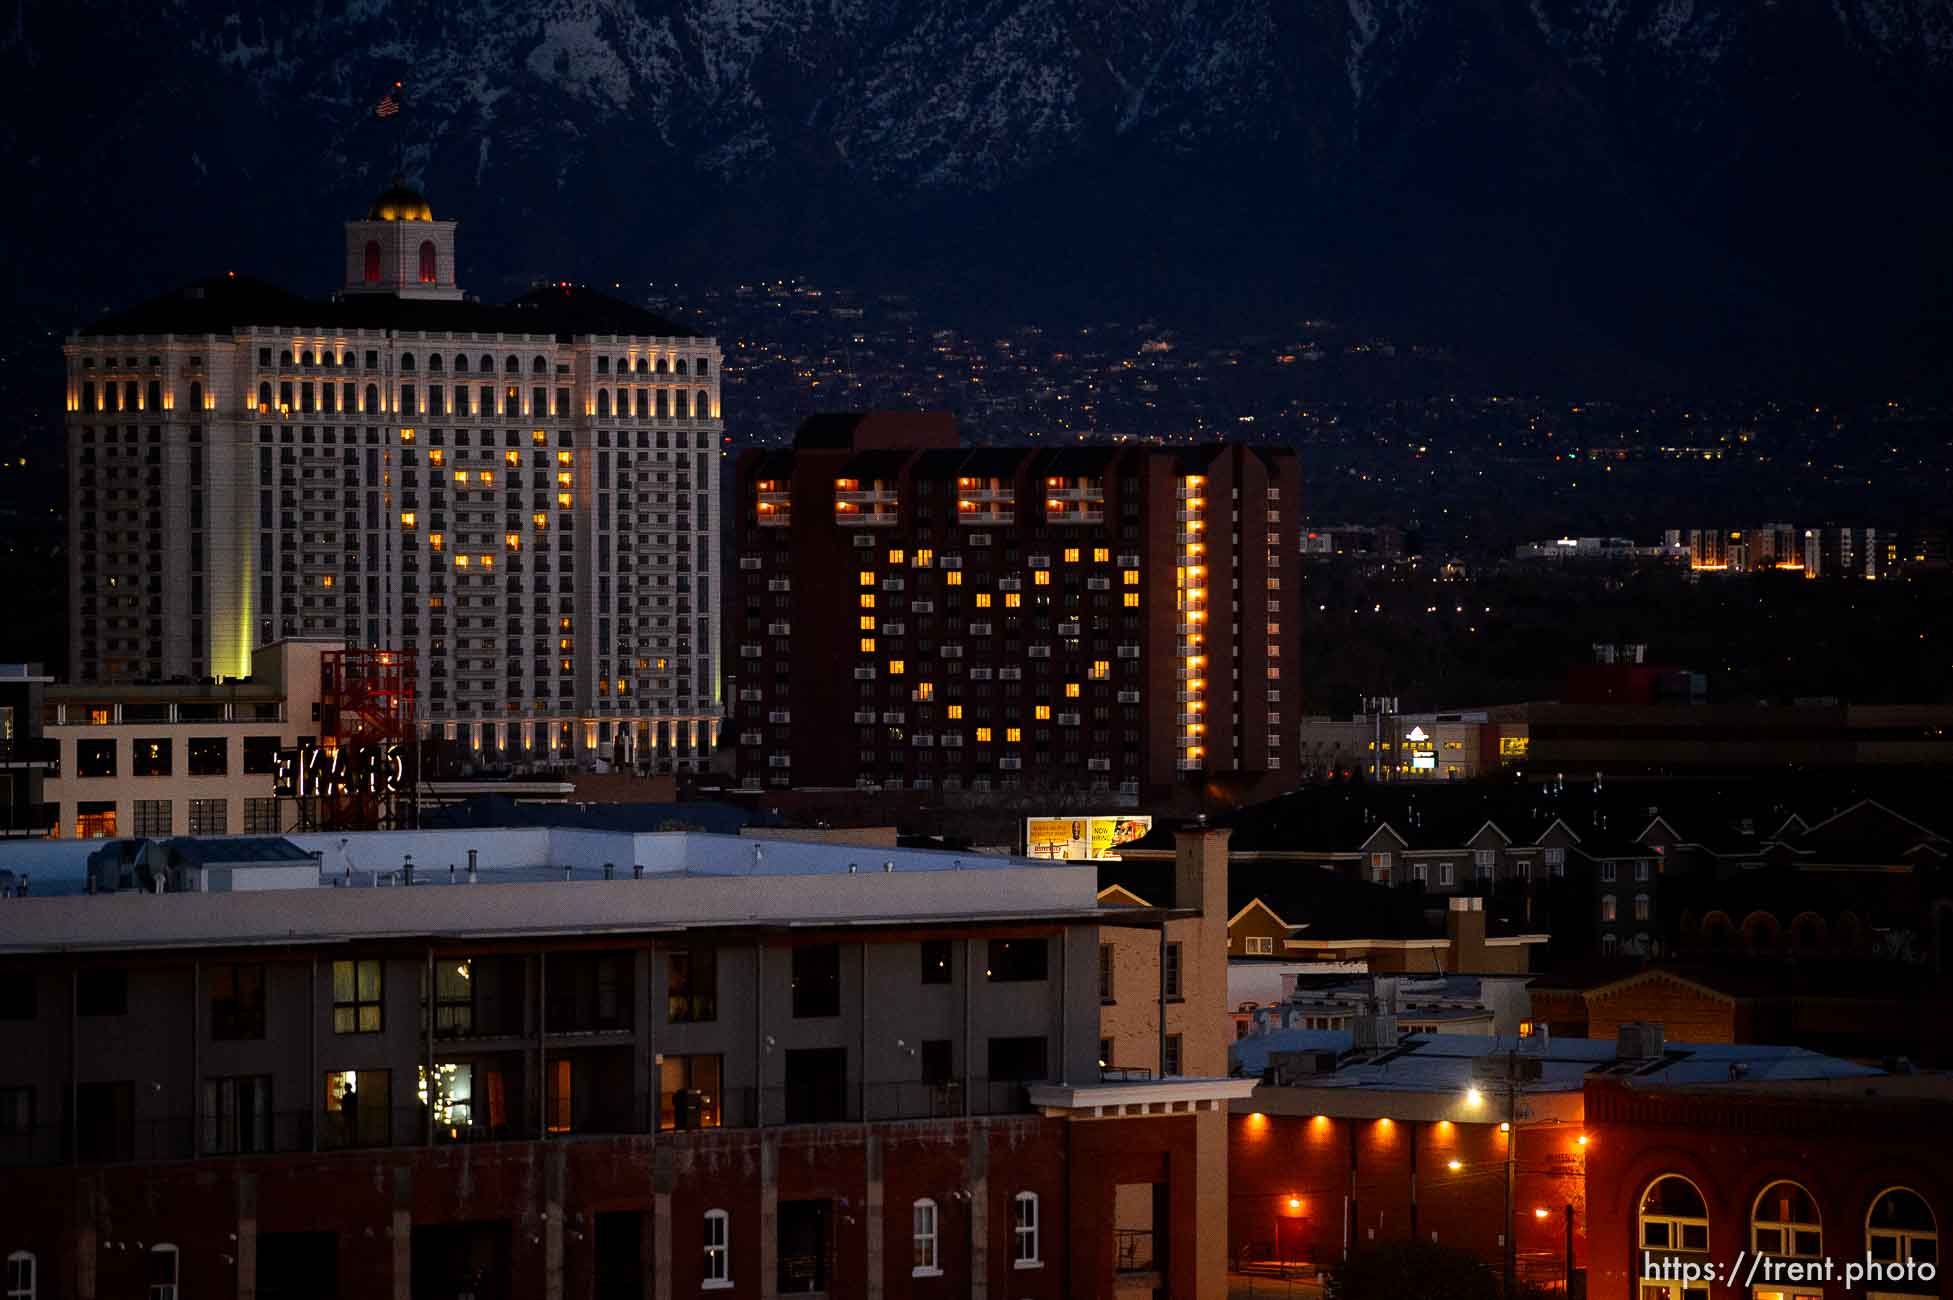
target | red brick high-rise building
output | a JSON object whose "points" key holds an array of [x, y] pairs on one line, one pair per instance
{"points": [[911, 613]]}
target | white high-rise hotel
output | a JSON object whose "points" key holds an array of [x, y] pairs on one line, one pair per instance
{"points": [[524, 494]]}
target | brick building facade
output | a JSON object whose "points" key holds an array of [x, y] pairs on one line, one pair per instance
{"points": [[914, 614]]}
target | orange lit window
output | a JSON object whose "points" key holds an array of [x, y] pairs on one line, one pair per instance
{"points": [[983, 599], [1132, 600], [954, 712], [896, 668], [437, 457], [563, 457], [485, 476], [1044, 713], [564, 500], [983, 735], [867, 645], [460, 561], [513, 541], [1130, 577], [1071, 690], [925, 690], [895, 557], [460, 475], [1101, 669], [953, 578], [540, 521], [406, 435], [867, 577], [1012, 599], [437, 540], [564, 478], [1071, 555], [1101, 555], [1041, 578], [867, 622], [326, 580], [512, 457], [538, 437], [407, 519], [867, 600], [924, 558], [1014, 734]]}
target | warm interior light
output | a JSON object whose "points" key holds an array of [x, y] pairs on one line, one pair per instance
{"points": [[1474, 1096], [1294, 1202], [1453, 1165], [1540, 1212]]}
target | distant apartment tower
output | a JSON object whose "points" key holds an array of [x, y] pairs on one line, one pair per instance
{"points": [[916, 614], [524, 495]]}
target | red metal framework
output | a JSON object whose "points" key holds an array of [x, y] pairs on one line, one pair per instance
{"points": [[366, 719]]}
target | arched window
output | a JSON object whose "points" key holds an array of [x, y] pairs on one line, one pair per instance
{"points": [[372, 398], [1643, 907], [664, 366], [285, 358], [461, 363], [603, 401], [1609, 945], [20, 1279], [163, 1260], [306, 358], [429, 271], [514, 367], [681, 365], [1901, 1229], [264, 397], [1785, 1223], [372, 261], [928, 1260], [1673, 1217], [718, 1244], [1024, 1251], [407, 362], [644, 365], [623, 365], [487, 364], [539, 367], [434, 362], [698, 405]]}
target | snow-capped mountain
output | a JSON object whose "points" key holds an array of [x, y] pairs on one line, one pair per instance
{"points": [[626, 138]]}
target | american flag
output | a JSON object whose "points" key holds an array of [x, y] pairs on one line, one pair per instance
{"points": [[389, 104]]}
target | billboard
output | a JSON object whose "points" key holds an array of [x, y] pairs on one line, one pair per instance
{"points": [[1082, 839]]}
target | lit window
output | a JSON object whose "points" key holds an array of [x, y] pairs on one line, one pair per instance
{"points": [[867, 577], [539, 520], [1043, 713], [983, 735], [925, 690], [924, 558], [437, 457], [1013, 599], [460, 561], [895, 556], [718, 1260], [1041, 578], [563, 457], [982, 597], [896, 668], [460, 475], [867, 645], [1014, 735], [1130, 577], [512, 540], [867, 622], [1071, 555], [953, 578], [954, 712], [1101, 669], [564, 501], [867, 600], [1101, 555], [1071, 690], [1132, 600], [437, 540], [564, 478], [407, 519]]}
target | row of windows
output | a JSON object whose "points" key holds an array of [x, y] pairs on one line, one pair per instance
{"points": [[1785, 1223], [22, 1278], [156, 756]]}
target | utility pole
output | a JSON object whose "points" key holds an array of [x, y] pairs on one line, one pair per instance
{"points": [[1511, 1171]]}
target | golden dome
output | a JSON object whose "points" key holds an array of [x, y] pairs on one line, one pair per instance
{"points": [[400, 203]]}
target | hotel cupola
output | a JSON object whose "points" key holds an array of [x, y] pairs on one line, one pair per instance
{"points": [[398, 248]]}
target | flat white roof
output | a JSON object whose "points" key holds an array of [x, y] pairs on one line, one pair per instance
{"points": [[549, 880]]}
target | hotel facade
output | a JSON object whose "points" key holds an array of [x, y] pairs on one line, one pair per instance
{"points": [[522, 496]]}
